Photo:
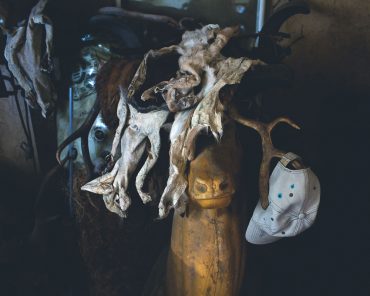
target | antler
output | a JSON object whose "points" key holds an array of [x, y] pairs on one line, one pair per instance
{"points": [[268, 149]]}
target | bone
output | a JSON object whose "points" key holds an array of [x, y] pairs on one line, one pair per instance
{"points": [[268, 150]]}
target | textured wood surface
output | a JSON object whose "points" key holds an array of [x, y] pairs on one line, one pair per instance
{"points": [[207, 254]]}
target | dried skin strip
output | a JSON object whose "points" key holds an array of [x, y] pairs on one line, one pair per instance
{"points": [[122, 116], [208, 115], [141, 126], [28, 52], [199, 51]]}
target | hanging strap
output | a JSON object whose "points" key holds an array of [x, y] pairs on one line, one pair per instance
{"points": [[292, 157]]}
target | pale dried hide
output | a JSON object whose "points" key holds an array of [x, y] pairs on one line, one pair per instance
{"points": [[140, 134], [28, 52], [202, 67]]}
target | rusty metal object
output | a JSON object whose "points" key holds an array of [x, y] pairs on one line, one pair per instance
{"points": [[207, 252]]}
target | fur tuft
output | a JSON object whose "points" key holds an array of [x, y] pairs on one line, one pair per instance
{"points": [[114, 73]]}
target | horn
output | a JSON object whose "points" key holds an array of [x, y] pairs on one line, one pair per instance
{"points": [[268, 150], [127, 14]]}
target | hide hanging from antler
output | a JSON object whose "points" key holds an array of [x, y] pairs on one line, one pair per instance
{"points": [[192, 92]]}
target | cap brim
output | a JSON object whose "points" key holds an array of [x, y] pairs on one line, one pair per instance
{"points": [[256, 235]]}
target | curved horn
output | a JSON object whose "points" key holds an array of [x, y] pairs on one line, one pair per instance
{"points": [[81, 132], [282, 14], [127, 14], [268, 150]]}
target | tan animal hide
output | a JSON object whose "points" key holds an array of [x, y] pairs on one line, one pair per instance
{"points": [[28, 52]]}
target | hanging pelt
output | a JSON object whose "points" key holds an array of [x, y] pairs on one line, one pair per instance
{"points": [[190, 89], [28, 51]]}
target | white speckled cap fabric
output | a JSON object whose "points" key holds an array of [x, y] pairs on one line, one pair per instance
{"points": [[294, 197]]}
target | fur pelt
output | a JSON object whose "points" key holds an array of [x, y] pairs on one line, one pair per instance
{"points": [[114, 73]]}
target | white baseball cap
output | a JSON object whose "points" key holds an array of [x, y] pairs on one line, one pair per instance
{"points": [[294, 198]]}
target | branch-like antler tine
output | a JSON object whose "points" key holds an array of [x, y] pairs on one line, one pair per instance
{"points": [[287, 120], [244, 121], [268, 150], [264, 177]]}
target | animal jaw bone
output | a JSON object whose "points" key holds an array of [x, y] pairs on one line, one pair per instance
{"points": [[268, 150]]}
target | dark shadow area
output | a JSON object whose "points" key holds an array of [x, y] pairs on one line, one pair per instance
{"points": [[332, 257], [38, 250]]}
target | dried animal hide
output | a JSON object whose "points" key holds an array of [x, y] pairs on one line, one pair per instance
{"points": [[207, 116], [199, 53], [28, 52], [200, 64], [142, 133]]}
